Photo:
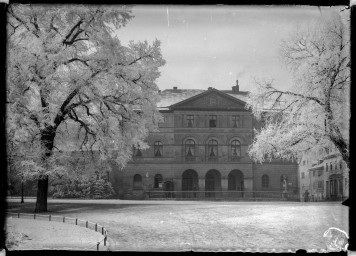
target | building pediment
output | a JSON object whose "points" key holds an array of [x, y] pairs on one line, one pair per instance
{"points": [[212, 99]]}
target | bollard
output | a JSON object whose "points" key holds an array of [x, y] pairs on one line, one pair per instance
{"points": [[102, 230], [105, 240], [97, 246], [49, 217], [18, 215], [96, 227], [76, 221], [34, 216], [63, 219], [86, 224]]}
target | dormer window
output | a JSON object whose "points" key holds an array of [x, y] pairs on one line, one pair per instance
{"points": [[213, 100], [190, 120], [212, 121]]}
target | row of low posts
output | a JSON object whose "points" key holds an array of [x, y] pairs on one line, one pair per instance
{"points": [[103, 230]]}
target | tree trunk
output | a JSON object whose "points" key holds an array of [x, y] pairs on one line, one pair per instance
{"points": [[47, 137], [42, 189]]}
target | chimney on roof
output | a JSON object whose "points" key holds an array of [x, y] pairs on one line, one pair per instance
{"points": [[175, 88], [235, 89]]}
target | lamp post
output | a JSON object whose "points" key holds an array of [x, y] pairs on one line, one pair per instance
{"points": [[22, 201]]}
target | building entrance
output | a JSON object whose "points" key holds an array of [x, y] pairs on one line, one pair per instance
{"points": [[189, 183], [212, 183], [235, 183]]}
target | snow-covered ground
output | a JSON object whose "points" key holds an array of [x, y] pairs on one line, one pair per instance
{"points": [[26, 234], [212, 226]]}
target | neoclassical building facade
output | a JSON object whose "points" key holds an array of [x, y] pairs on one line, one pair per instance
{"points": [[201, 149]]}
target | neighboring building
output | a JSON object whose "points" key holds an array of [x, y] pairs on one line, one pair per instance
{"points": [[201, 146], [326, 177]]}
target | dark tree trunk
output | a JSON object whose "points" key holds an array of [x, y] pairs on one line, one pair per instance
{"points": [[22, 201], [42, 189], [47, 138]]}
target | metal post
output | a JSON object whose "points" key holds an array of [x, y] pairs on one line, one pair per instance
{"points": [[105, 240], [18, 215], [76, 221], [102, 230], [49, 217], [97, 246], [86, 224], [34, 216], [63, 219], [96, 226], [22, 201]]}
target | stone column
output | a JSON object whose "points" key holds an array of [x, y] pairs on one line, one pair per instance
{"points": [[201, 184], [248, 187], [224, 183]]}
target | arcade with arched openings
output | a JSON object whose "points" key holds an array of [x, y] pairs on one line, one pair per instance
{"points": [[212, 183], [189, 183], [236, 183]]}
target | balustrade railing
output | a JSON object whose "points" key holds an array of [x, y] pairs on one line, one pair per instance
{"points": [[222, 195]]}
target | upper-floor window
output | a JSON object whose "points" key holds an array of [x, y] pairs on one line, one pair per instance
{"points": [[163, 121], [212, 149], [320, 184], [190, 148], [190, 120], [314, 173], [335, 165], [212, 121], [331, 166], [340, 164], [265, 181], [235, 121], [235, 148], [157, 180], [137, 151], [320, 172], [303, 162], [137, 181], [303, 175], [326, 168], [158, 148]]}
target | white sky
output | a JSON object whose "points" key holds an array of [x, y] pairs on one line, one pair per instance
{"points": [[216, 45]]}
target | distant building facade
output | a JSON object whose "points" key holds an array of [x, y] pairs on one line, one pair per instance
{"points": [[202, 146], [324, 177]]}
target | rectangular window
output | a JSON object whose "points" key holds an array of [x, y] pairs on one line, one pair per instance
{"points": [[212, 121], [303, 162], [235, 121], [190, 120], [303, 175], [320, 172], [320, 184]]}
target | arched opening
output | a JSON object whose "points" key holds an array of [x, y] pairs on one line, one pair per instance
{"points": [[169, 186], [212, 183], [236, 183], [137, 182], [158, 180], [189, 183]]}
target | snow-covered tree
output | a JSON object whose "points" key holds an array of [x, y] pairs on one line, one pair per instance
{"points": [[72, 84], [313, 115]]}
